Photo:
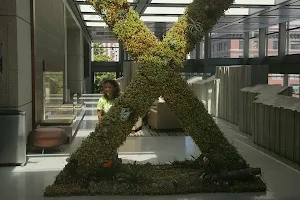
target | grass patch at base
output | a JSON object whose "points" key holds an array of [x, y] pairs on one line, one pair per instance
{"points": [[147, 179]]}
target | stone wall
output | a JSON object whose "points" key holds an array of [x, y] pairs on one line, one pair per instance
{"points": [[249, 95], [232, 80], [50, 34], [267, 112], [15, 37], [276, 125], [207, 91]]}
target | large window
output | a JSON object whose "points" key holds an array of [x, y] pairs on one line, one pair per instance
{"points": [[226, 45], [219, 48], [253, 47], [241, 44], [275, 79], [275, 45], [253, 44], [272, 44], [105, 52], [293, 81], [293, 42], [293, 37], [295, 45], [273, 29], [201, 50], [237, 46]]}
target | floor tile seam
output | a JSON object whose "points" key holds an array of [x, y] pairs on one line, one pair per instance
{"points": [[269, 156]]}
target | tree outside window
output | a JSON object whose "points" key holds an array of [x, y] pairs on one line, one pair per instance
{"points": [[100, 77]]}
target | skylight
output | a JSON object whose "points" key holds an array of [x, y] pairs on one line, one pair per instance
{"points": [[172, 1], [159, 19], [255, 2], [130, 1], [242, 2], [92, 17], [87, 8], [237, 11], [165, 10], [180, 11], [96, 24]]}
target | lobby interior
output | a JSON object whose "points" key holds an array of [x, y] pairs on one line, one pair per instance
{"points": [[245, 71]]}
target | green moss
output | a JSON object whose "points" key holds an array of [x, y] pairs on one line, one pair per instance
{"points": [[158, 74], [177, 178]]}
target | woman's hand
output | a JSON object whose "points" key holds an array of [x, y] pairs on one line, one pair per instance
{"points": [[99, 115]]}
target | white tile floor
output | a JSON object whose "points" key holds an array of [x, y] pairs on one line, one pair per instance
{"points": [[28, 182]]}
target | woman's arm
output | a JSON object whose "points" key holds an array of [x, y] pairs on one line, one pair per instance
{"points": [[100, 108], [100, 114]]}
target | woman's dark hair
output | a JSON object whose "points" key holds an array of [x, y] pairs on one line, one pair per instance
{"points": [[116, 86]]}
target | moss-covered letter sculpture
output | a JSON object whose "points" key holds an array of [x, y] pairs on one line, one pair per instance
{"points": [[159, 66]]}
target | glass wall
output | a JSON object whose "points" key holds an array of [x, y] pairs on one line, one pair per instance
{"points": [[54, 82], [236, 48], [293, 43], [219, 48], [293, 37], [253, 47], [253, 44], [272, 40], [105, 52], [293, 81], [275, 79], [202, 50], [53, 87], [227, 46]]}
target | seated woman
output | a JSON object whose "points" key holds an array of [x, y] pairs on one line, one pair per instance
{"points": [[111, 91]]}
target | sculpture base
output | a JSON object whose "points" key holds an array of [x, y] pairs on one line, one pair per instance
{"points": [[166, 179]]}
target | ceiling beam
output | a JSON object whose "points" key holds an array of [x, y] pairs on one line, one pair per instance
{"points": [[266, 10], [253, 11], [141, 6], [75, 13], [177, 5]]}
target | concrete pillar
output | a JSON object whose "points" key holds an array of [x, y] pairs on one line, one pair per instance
{"points": [[160, 29], [16, 76], [193, 54], [121, 60], [262, 43], [202, 50], [198, 50], [207, 46], [282, 49], [87, 67], [246, 47], [66, 97], [75, 61], [207, 52], [125, 55]]}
